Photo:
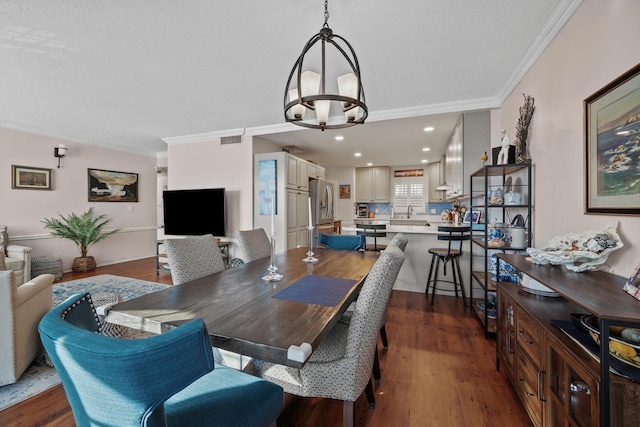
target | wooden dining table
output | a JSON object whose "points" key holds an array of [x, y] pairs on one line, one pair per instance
{"points": [[244, 314]]}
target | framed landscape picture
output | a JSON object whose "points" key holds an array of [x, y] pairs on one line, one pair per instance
{"points": [[612, 147], [112, 186], [30, 178]]}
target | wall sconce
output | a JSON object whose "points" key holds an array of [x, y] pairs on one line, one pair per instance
{"points": [[60, 151]]}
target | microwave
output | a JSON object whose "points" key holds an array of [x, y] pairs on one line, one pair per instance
{"points": [[362, 211]]}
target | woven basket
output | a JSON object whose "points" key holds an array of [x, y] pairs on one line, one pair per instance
{"points": [[83, 264]]}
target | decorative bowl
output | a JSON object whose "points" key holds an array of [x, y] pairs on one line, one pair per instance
{"points": [[620, 348], [491, 312]]}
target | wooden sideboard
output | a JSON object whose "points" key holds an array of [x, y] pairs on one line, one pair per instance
{"points": [[559, 382]]}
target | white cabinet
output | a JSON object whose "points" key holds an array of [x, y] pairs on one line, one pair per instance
{"points": [[292, 185], [297, 218], [315, 171], [434, 180], [297, 176], [372, 184]]}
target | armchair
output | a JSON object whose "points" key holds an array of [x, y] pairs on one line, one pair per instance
{"points": [[163, 380], [17, 257], [21, 308]]}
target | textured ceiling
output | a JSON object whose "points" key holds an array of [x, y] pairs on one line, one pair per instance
{"points": [[130, 73]]}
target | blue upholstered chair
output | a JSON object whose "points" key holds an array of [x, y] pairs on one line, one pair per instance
{"points": [[163, 380], [342, 241]]}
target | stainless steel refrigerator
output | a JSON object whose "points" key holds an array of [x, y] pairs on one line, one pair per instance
{"points": [[321, 193]]}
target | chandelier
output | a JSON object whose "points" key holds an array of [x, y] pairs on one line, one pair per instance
{"points": [[310, 91]]}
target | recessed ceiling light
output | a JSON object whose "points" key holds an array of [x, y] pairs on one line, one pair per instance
{"points": [[357, 154], [426, 149], [339, 138], [428, 129], [424, 161], [369, 164]]}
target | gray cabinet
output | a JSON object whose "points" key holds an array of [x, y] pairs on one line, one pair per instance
{"points": [[372, 185]]}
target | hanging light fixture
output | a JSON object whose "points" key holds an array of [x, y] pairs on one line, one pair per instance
{"points": [[310, 91]]}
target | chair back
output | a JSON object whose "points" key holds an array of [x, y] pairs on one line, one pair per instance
{"points": [[193, 257], [399, 240], [255, 244], [370, 308], [452, 233], [342, 241], [120, 382]]}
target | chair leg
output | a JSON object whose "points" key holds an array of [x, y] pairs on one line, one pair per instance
{"points": [[348, 416], [435, 280], [433, 259], [453, 273], [371, 398], [383, 337], [464, 297], [376, 367]]}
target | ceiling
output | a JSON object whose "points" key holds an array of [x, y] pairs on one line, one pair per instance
{"points": [[141, 74]]}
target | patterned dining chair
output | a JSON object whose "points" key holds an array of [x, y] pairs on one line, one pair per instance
{"points": [[255, 244], [399, 240], [193, 257], [340, 368], [163, 380]]}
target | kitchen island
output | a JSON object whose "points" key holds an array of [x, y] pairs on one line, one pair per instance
{"points": [[415, 270]]}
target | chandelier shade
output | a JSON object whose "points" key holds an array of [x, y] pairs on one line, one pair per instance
{"points": [[308, 90]]}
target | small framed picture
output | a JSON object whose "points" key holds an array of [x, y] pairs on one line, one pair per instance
{"points": [[472, 217], [30, 178], [632, 287]]}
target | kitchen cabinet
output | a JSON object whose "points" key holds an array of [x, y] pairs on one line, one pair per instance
{"points": [[433, 171], [315, 171], [291, 178], [372, 185], [297, 218], [485, 183], [558, 381], [297, 176]]}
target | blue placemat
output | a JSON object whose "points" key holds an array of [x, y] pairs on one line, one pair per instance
{"points": [[585, 340], [319, 290]]}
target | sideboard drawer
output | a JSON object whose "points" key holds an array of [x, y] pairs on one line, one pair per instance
{"points": [[529, 337]]}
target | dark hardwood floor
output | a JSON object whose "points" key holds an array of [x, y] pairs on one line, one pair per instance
{"points": [[439, 370]]}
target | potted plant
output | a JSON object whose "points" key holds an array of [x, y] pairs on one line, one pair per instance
{"points": [[84, 230]]}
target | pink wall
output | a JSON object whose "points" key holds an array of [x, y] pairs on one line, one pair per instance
{"points": [[23, 210], [598, 44], [212, 165]]}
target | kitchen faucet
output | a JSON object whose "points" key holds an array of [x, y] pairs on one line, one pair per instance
{"points": [[409, 210]]}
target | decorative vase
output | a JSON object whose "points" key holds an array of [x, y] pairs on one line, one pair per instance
{"points": [[82, 264]]}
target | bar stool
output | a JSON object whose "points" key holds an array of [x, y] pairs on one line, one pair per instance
{"points": [[449, 233], [373, 230]]}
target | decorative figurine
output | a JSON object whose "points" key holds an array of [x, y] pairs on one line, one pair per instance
{"points": [[503, 155]]}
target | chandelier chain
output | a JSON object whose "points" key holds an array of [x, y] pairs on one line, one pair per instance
{"points": [[326, 13]]}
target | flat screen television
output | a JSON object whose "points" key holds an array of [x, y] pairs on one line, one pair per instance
{"points": [[194, 212]]}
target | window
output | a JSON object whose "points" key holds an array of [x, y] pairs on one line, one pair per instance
{"points": [[409, 193]]}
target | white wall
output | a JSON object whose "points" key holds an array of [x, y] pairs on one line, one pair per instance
{"points": [[23, 210], [345, 208], [598, 44]]}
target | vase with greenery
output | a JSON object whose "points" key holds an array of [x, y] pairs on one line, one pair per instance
{"points": [[85, 230]]}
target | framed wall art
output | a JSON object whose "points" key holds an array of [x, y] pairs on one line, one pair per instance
{"points": [[112, 186], [612, 147], [267, 187], [30, 178], [345, 191]]}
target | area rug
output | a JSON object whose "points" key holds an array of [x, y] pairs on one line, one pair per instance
{"points": [[39, 376]]}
